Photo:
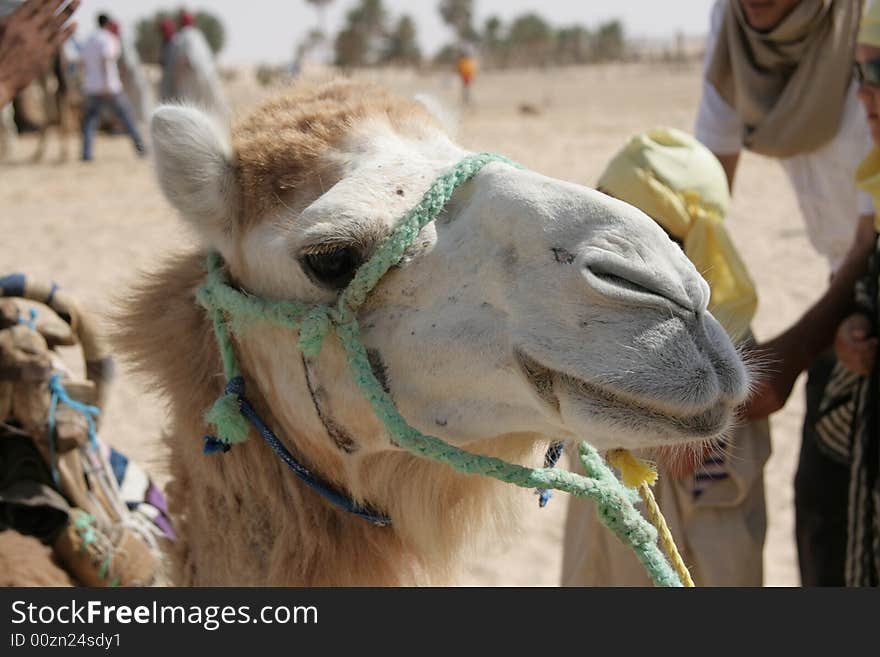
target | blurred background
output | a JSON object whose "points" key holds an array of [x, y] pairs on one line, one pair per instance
{"points": [[559, 87]]}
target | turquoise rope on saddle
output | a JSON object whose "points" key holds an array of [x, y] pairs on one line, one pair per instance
{"points": [[232, 311], [58, 394]]}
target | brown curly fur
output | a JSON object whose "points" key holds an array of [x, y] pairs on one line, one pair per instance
{"points": [[279, 147]]}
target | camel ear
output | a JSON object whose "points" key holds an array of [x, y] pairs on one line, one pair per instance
{"points": [[194, 163], [446, 114]]}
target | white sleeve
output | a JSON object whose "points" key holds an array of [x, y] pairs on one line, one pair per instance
{"points": [[717, 126]]}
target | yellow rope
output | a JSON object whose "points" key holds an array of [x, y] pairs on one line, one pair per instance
{"points": [[635, 473]]}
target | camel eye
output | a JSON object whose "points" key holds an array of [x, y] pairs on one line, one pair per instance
{"points": [[333, 268]]}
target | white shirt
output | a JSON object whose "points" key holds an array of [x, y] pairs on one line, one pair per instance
{"points": [[823, 180], [100, 72]]}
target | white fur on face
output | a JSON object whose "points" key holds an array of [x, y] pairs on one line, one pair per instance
{"points": [[530, 306]]}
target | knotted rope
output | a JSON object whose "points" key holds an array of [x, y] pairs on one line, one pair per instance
{"points": [[637, 474], [551, 457], [58, 394], [232, 311], [84, 525]]}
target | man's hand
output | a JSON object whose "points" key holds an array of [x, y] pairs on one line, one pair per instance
{"points": [[855, 348], [779, 364], [29, 37], [728, 163], [781, 360]]}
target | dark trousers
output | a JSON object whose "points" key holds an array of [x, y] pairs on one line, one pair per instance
{"points": [[118, 103], [821, 495]]}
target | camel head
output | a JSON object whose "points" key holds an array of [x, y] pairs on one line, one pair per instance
{"points": [[529, 306]]}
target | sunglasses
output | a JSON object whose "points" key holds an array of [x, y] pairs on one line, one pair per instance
{"points": [[867, 72]]}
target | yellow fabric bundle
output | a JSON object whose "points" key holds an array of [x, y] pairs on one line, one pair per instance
{"points": [[869, 29], [868, 173], [868, 180], [633, 471], [677, 181]]}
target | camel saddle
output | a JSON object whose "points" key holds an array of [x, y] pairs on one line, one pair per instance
{"points": [[58, 481]]}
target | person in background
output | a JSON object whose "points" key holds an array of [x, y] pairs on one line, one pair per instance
{"points": [[29, 38], [778, 81], [467, 69], [103, 87], [193, 76], [167, 30], [718, 500], [138, 89], [848, 423]]}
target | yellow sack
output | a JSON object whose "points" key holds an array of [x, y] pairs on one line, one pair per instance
{"points": [[868, 180]]}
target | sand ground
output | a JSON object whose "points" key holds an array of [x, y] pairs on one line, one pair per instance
{"points": [[92, 227]]}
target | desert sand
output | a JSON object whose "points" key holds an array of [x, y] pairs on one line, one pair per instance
{"points": [[92, 227]]}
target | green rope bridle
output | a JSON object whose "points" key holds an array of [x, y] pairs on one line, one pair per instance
{"points": [[232, 311]]}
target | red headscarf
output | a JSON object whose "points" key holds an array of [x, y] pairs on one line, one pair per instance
{"points": [[186, 19], [167, 28]]}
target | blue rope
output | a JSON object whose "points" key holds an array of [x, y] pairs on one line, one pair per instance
{"points": [[52, 292], [59, 394], [12, 285], [53, 405], [213, 445], [30, 323], [551, 458]]}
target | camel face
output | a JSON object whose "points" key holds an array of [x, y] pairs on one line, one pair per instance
{"points": [[530, 305]]}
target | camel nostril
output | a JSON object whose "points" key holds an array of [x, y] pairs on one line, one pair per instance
{"points": [[620, 281], [632, 285]]}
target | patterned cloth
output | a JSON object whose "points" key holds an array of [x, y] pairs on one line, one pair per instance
{"points": [[138, 491], [31, 504], [847, 431]]}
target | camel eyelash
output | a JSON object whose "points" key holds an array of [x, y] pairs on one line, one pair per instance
{"points": [[324, 248], [362, 242]]}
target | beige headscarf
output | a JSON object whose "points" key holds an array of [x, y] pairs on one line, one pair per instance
{"points": [[787, 85]]}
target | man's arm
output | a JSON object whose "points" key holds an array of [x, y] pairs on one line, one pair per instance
{"points": [[29, 37], [729, 162], [784, 357]]}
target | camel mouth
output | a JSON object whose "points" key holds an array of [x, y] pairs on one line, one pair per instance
{"points": [[549, 383]]}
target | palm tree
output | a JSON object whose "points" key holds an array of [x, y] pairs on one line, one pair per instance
{"points": [[458, 14], [321, 6]]}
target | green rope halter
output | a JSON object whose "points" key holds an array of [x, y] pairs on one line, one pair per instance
{"points": [[232, 311]]}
